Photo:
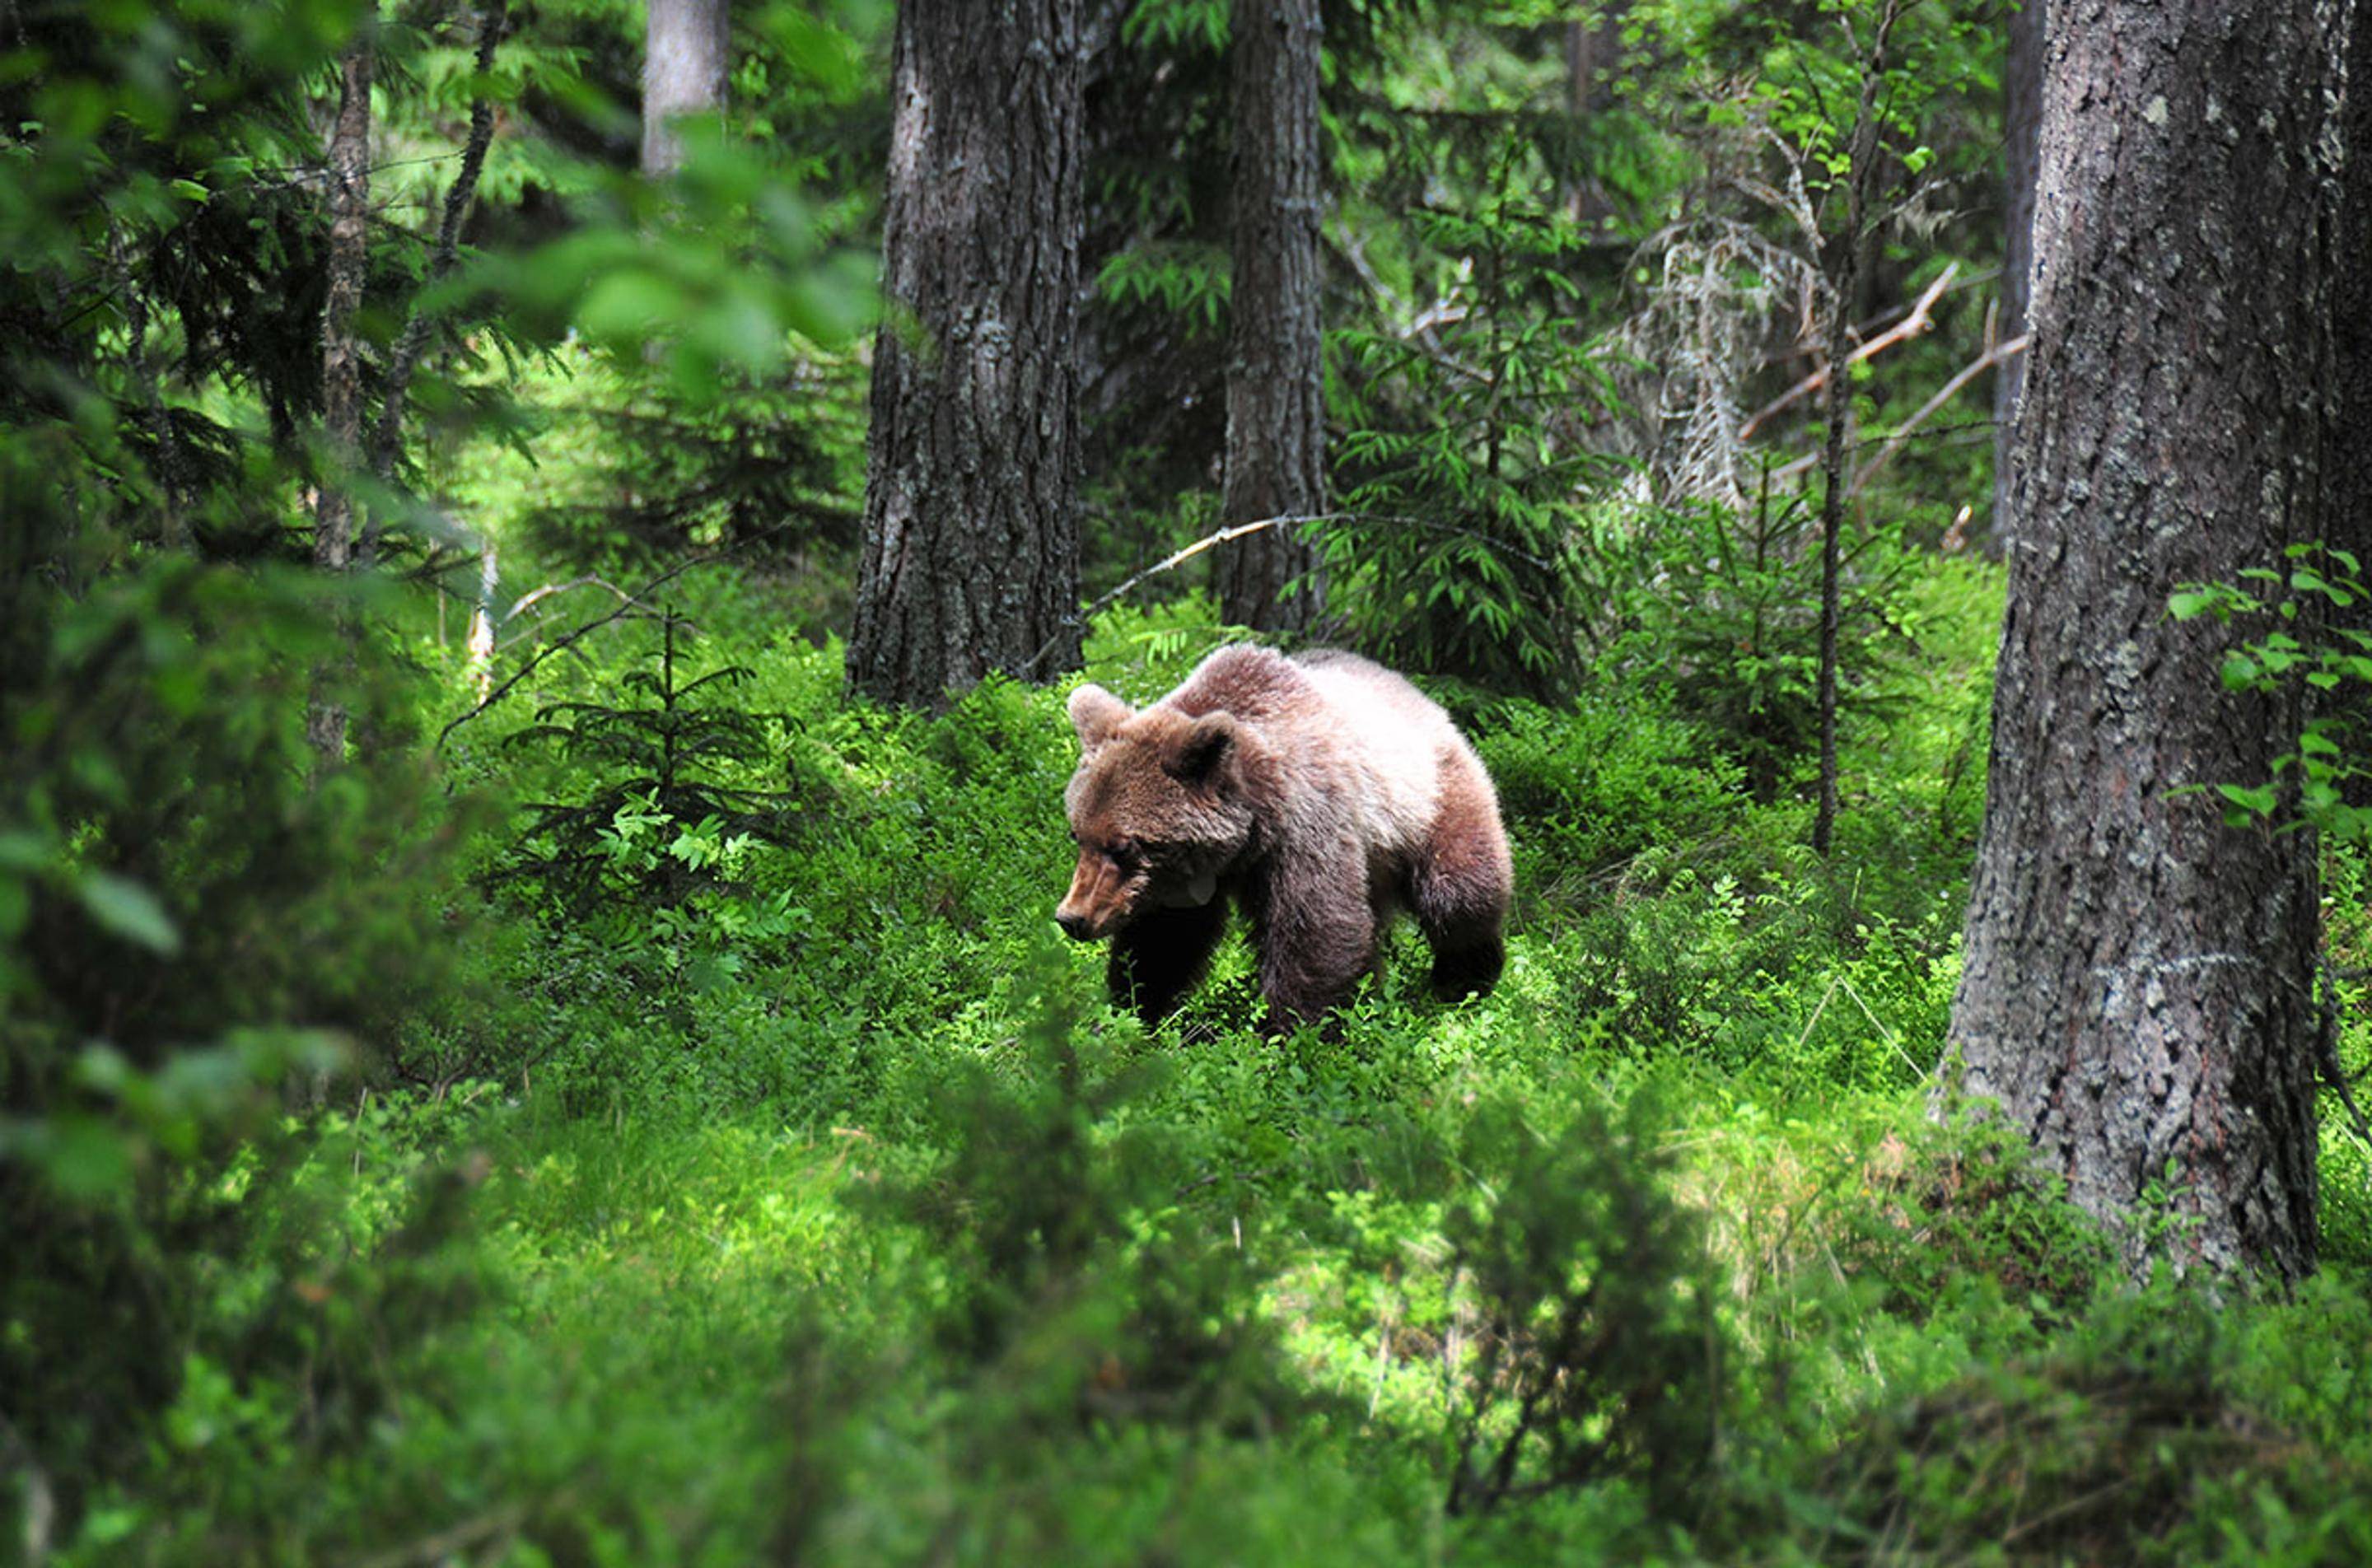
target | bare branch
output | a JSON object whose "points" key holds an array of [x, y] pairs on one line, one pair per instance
{"points": [[1998, 354], [1914, 325], [1179, 558]]}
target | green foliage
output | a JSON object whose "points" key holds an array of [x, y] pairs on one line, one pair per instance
{"points": [[1728, 609], [1463, 551], [1959, 1216], [1599, 1351], [2138, 1438], [1587, 788], [1078, 1296], [761, 469], [2321, 644], [190, 921], [1187, 281], [659, 825]]}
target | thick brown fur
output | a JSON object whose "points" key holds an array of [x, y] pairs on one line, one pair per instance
{"points": [[1320, 794]]}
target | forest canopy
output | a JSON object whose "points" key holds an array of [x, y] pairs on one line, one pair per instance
{"points": [[544, 547]]}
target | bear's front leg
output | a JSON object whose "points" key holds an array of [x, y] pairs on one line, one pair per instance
{"points": [[1316, 932], [1157, 958]]}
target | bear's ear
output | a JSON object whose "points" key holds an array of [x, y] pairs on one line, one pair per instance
{"points": [[1096, 714], [1198, 753]]}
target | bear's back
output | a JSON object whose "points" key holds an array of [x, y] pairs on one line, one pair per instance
{"points": [[1367, 751]]}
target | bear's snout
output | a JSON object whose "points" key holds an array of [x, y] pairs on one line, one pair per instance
{"points": [[1099, 901]]}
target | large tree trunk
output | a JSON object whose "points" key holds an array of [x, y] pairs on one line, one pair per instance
{"points": [[971, 559], [684, 67], [342, 387], [1276, 371], [2021, 122], [2347, 523], [2138, 986]]}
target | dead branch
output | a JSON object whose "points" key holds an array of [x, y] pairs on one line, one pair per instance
{"points": [[528, 601], [1996, 355], [1912, 325], [1175, 559]]}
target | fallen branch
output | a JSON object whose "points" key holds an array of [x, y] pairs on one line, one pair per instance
{"points": [[1912, 325]]}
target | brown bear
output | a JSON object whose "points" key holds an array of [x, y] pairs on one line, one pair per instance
{"points": [[1321, 793]]}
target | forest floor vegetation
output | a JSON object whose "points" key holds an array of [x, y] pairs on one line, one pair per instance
{"points": [[786, 1189]]}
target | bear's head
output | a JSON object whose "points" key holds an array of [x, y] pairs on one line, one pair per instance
{"points": [[1157, 806]]}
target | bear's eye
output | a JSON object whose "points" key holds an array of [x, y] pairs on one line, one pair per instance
{"points": [[1123, 853]]}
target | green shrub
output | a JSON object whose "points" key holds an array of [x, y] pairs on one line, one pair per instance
{"points": [[195, 918], [1585, 787], [1727, 609], [2135, 1439], [1599, 1351]]}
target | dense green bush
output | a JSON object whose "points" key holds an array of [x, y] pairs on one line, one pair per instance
{"points": [[1600, 1346], [195, 918]]}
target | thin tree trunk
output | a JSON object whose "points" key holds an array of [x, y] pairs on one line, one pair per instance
{"points": [[971, 558], [342, 392], [387, 436], [1843, 269], [481, 624], [1593, 53], [1276, 370], [2021, 119], [686, 44], [2137, 984]]}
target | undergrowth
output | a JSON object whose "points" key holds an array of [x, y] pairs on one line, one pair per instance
{"points": [[806, 1201]]}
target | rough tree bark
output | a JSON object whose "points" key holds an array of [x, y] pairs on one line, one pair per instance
{"points": [[341, 390], [2021, 120], [684, 66], [2137, 988], [970, 557], [2347, 486], [1276, 372]]}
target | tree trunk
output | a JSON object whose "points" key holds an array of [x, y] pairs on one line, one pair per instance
{"points": [[2347, 523], [1844, 266], [971, 559], [2021, 119], [1276, 370], [2137, 987], [2347, 453], [341, 390], [387, 437], [684, 67], [1593, 56]]}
